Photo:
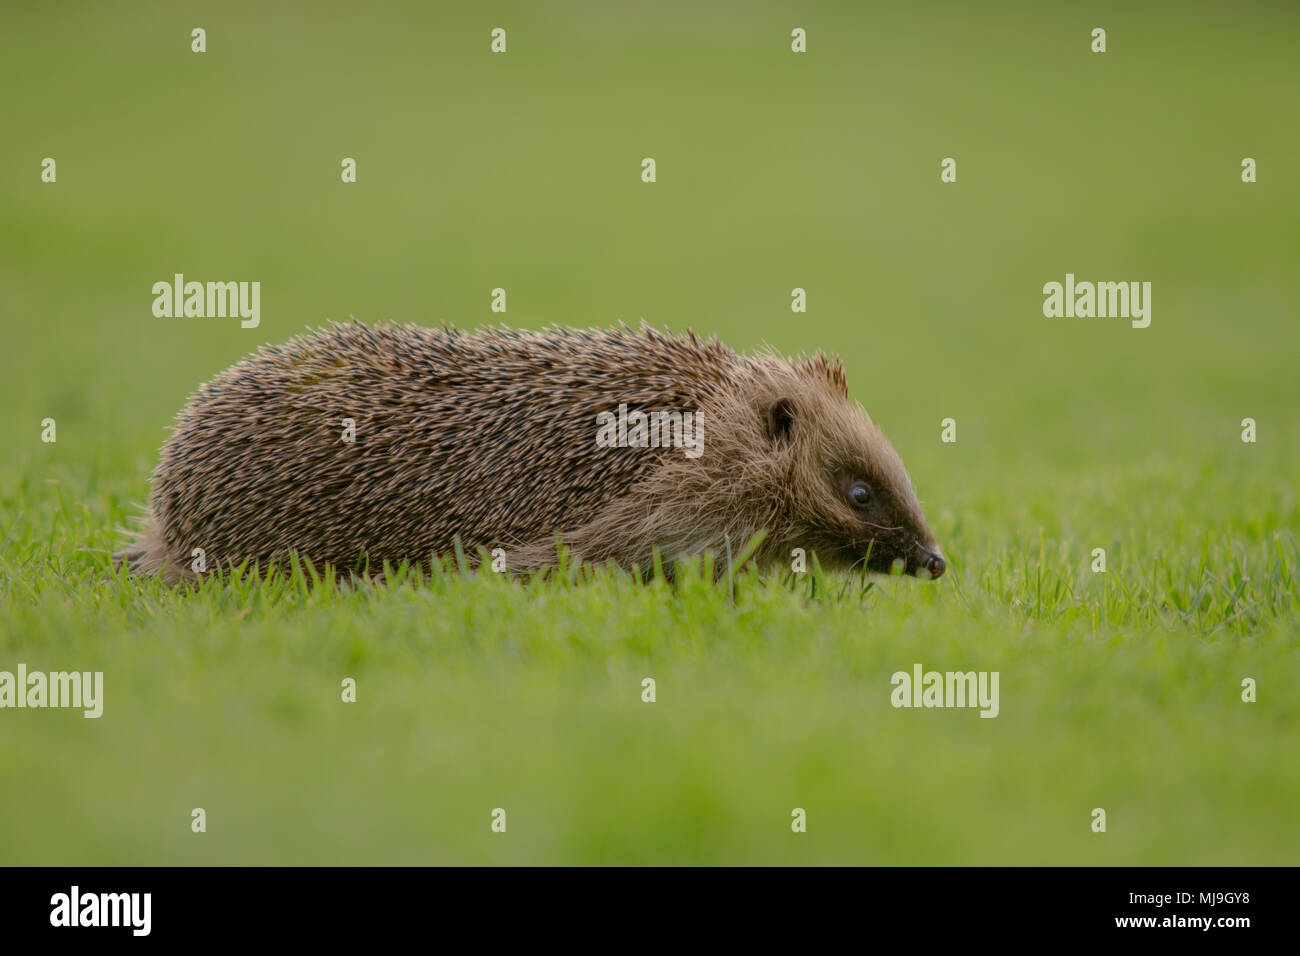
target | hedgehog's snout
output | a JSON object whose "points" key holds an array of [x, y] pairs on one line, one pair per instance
{"points": [[933, 564], [926, 562]]}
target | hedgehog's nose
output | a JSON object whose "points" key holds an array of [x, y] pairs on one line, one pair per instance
{"points": [[935, 564]]}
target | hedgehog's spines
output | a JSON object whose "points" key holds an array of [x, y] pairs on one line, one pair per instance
{"points": [[491, 436]]}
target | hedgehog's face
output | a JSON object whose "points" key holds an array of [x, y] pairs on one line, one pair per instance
{"points": [[852, 501]]}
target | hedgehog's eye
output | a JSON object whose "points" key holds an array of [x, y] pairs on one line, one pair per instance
{"points": [[860, 494]]}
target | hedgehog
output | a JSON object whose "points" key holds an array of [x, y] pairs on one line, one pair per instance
{"points": [[355, 446]]}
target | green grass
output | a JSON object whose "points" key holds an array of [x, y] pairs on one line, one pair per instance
{"points": [[1119, 690]]}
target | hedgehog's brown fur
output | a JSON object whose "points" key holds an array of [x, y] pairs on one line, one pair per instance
{"points": [[491, 437]]}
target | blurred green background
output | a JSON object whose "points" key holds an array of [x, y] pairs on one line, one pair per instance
{"points": [[775, 171]]}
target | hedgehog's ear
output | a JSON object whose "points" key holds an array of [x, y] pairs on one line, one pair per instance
{"points": [[780, 420]]}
